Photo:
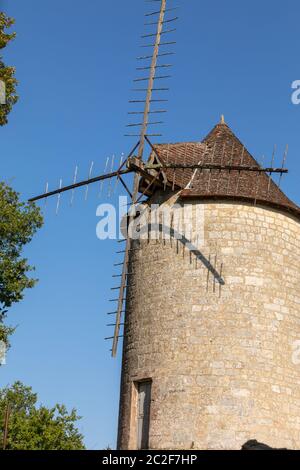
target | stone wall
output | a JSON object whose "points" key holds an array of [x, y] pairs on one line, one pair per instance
{"points": [[220, 357]]}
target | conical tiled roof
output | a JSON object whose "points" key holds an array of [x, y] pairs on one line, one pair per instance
{"points": [[222, 147]]}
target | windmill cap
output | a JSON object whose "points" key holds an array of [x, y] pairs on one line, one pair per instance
{"points": [[223, 148]]}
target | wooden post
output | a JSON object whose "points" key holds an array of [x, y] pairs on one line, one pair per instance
{"points": [[137, 177], [152, 76]]}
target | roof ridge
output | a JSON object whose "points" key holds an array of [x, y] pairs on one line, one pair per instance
{"points": [[233, 135], [179, 143]]}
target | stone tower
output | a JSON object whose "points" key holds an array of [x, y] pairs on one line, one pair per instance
{"points": [[210, 364]]}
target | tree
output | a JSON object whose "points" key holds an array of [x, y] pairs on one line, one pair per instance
{"points": [[37, 428], [18, 223], [7, 74]]}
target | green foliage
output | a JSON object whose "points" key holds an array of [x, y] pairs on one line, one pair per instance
{"points": [[5, 23], [37, 428], [18, 223], [7, 74]]}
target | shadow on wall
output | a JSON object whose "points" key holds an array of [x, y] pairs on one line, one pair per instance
{"points": [[160, 228], [254, 445]]}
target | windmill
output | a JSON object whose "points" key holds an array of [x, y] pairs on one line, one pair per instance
{"points": [[159, 171]]}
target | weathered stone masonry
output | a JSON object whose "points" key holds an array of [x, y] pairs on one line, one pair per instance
{"points": [[220, 357]]}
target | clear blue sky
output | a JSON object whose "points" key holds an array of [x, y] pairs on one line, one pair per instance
{"points": [[75, 61]]}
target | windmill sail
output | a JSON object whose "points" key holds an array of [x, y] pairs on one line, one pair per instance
{"points": [[156, 172]]}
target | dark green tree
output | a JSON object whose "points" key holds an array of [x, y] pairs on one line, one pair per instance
{"points": [[7, 74], [33, 427], [18, 223]]}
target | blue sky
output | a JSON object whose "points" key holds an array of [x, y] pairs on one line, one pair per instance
{"points": [[75, 63]]}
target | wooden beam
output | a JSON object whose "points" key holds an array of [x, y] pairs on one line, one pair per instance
{"points": [[152, 76]]}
